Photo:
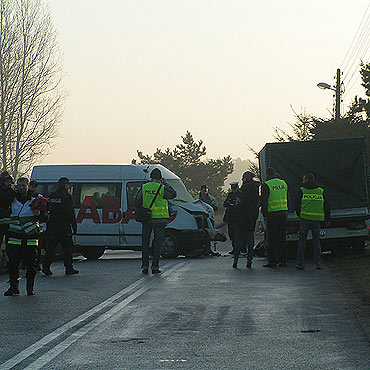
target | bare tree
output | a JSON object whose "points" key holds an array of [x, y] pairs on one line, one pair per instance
{"points": [[31, 95]]}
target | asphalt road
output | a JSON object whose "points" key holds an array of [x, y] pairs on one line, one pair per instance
{"points": [[198, 314]]}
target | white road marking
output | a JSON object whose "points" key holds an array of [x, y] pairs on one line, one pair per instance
{"points": [[48, 356]]}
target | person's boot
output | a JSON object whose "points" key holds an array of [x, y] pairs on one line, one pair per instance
{"points": [[46, 270], [13, 290], [29, 286], [71, 271]]}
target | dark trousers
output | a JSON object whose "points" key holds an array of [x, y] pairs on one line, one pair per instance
{"points": [[158, 242], [18, 253], [276, 243], [244, 240], [67, 246], [3, 231], [231, 230], [42, 245]]}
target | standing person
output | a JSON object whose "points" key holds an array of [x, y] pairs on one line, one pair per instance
{"points": [[42, 239], [247, 217], [205, 197], [159, 189], [230, 217], [312, 208], [274, 207], [5, 188], [61, 219], [22, 235]]}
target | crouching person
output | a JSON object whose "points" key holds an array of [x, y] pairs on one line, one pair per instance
{"points": [[23, 235]]}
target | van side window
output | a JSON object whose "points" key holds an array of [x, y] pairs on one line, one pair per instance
{"points": [[99, 191], [132, 189]]}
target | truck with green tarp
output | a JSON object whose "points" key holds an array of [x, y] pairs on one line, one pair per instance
{"points": [[340, 167]]}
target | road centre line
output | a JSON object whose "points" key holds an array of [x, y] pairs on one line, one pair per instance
{"points": [[21, 356]]}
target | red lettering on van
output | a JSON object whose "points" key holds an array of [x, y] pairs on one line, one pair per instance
{"points": [[111, 205], [88, 203], [129, 215]]}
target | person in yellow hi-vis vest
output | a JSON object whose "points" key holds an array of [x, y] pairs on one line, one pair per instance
{"points": [[23, 235], [274, 207], [159, 191], [312, 208]]}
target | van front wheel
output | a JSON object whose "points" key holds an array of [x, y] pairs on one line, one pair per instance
{"points": [[170, 246], [92, 253]]}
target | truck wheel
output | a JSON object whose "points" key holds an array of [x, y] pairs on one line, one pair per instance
{"points": [[92, 253], [170, 246]]}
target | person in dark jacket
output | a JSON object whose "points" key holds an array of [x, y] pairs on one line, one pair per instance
{"points": [[42, 239], [312, 208], [247, 216], [274, 207], [5, 188], [62, 221], [230, 217], [160, 214]]}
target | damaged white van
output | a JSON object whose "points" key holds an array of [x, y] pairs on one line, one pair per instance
{"points": [[104, 201]]}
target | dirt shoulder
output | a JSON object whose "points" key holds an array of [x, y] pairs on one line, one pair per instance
{"points": [[353, 275]]}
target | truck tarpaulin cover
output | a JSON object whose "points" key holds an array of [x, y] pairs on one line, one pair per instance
{"points": [[339, 165]]}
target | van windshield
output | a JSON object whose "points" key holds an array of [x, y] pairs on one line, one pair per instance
{"points": [[182, 194]]}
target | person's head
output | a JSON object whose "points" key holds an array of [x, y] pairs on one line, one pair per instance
{"points": [[308, 177], [270, 173], [63, 183], [234, 186], [6, 179], [204, 189], [156, 174], [22, 185], [248, 176], [33, 186]]}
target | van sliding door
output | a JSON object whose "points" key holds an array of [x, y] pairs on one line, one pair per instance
{"points": [[99, 214], [130, 230]]}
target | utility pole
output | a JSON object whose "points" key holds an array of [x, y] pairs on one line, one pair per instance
{"points": [[338, 91], [337, 97]]}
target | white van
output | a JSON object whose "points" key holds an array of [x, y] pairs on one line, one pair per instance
{"points": [[103, 197]]}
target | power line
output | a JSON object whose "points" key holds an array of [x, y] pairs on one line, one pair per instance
{"points": [[361, 43], [354, 38]]}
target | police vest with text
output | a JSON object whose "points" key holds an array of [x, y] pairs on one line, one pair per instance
{"points": [[278, 198], [312, 204], [160, 207]]}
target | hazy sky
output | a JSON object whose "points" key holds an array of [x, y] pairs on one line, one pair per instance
{"points": [[142, 72]]}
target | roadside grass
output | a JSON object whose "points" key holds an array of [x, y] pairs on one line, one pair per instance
{"points": [[356, 269]]}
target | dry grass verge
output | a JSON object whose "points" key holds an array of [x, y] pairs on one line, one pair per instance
{"points": [[353, 273]]}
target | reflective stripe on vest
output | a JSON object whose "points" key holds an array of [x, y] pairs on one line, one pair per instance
{"points": [[29, 242], [160, 207], [4, 220], [312, 204], [22, 219], [278, 198]]}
